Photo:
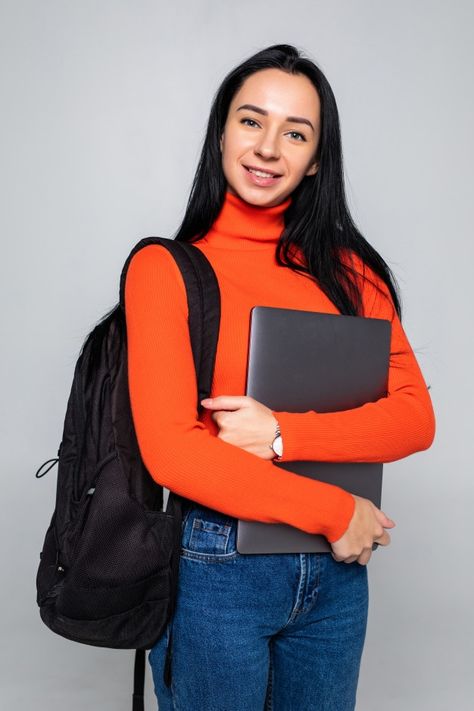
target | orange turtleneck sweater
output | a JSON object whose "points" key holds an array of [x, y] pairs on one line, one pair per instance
{"points": [[183, 452]]}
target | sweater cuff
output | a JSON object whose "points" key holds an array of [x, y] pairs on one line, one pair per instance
{"points": [[345, 513], [290, 427], [341, 503]]}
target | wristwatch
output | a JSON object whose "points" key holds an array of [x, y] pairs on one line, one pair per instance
{"points": [[277, 444]]}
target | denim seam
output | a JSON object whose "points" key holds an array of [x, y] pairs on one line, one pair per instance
{"points": [[221, 530], [173, 695], [315, 591], [209, 557], [172, 687], [211, 527], [269, 693], [302, 579]]}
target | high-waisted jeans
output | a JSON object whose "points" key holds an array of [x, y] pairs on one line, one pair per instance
{"points": [[279, 632]]}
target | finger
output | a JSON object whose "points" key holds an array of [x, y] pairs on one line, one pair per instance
{"points": [[385, 520], [384, 539], [224, 402], [364, 557], [351, 559]]}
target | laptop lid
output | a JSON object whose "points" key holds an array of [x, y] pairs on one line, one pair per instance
{"points": [[306, 360]]}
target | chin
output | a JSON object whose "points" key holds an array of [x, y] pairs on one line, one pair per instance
{"points": [[257, 197]]}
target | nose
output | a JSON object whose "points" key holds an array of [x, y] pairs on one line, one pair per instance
{"points": [[267, 146]]}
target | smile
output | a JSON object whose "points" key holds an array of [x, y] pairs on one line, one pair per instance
{"points": [[261, 173]]}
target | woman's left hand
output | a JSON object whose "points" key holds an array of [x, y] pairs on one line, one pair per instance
{"points": [[244, 422]]}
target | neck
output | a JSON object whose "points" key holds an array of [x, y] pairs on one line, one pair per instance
{"points": [[241, 225]]}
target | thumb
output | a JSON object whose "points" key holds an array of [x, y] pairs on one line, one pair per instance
{"points": [[224, 402]]}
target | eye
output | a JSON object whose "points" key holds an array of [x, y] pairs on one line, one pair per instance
{"points": [[296, 133], [292, 133], [249, 119]]}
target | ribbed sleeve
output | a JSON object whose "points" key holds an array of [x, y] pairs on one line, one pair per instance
{"points": [[391, 428], [180, 452]]}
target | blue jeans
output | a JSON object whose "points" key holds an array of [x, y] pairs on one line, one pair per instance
{"points": [[278, 632]]}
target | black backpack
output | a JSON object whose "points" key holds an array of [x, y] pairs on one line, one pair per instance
{"points": [[108, 569]]}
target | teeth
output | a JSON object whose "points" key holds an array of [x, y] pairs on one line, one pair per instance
{"points": [[261, 174]]}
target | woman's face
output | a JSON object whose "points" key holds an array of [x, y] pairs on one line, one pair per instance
{"points": [[273, 125]]}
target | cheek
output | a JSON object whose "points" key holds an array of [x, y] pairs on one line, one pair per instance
{"points": [[235, 147], [298, 169], [301, 161], [228, 154], [227, 166]]}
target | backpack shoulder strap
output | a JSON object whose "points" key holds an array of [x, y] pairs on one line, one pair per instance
{"points": [[204, 308], [204, 305]]}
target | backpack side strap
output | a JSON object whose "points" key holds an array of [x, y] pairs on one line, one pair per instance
{"points": [[138, 698]]}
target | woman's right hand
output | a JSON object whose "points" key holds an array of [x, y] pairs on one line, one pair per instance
{"points": [[367, 525]]}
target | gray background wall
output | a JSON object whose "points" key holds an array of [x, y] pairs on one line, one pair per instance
{"points": [[104, 106]]}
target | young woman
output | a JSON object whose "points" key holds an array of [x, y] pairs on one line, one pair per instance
{"points": [[268, 210]]}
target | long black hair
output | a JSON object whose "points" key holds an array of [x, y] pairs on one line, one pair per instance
{"points": [[317, 221]]}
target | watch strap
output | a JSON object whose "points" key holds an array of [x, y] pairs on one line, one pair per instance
{"points": [[277, 434]]}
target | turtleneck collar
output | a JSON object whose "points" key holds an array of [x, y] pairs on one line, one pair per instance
{"points": [[241, 225]]}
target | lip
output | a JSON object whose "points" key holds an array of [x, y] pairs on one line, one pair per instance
{"points": [[259, 182], [264, 170]]}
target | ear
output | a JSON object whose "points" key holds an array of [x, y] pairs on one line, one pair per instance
{"points": [[221, 142], [313, 169]]}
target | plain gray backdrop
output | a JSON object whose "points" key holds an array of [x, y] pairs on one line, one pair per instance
{"points": [[103, 110]]}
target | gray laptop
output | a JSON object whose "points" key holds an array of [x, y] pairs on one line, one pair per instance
{"points": [[306, 360]]}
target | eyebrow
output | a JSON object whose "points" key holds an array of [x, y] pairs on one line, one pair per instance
{"points": [[291, 119]]}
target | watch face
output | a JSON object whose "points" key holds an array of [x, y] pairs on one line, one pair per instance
{"points": [[278, 446]]}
